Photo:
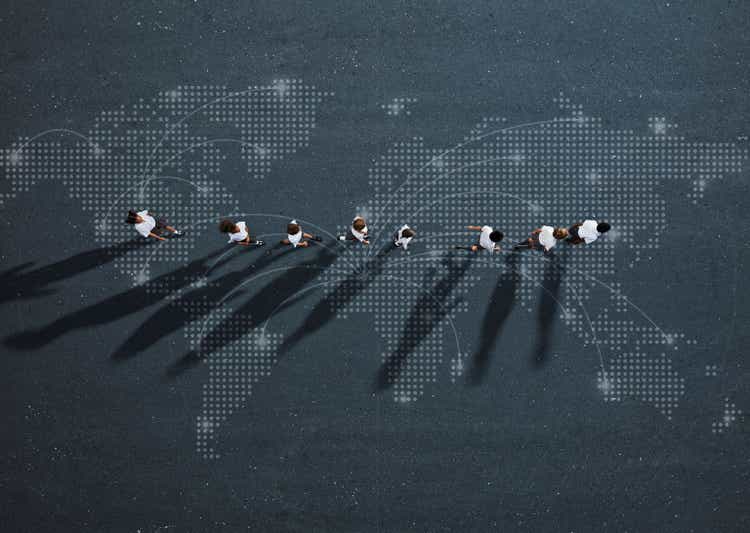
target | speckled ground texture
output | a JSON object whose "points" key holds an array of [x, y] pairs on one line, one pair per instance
{"points": [[167, 388]]}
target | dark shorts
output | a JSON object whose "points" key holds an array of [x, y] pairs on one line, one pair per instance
{"points": [[573, 236], [350, 236], [161, 224]]}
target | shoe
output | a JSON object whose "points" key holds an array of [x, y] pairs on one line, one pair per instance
{"points": [[258, 243], [342, 237]]}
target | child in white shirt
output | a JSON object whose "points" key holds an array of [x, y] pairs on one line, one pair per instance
{"points": [[488, 239], [296, 237], [587, 231], [357, 232], [545, 236], [238, 233], [403, 237], [148, 225]]}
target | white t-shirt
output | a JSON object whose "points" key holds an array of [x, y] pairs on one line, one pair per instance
{"points": [[359, 235], [145, 227], [296, 238], [587, 231], [240, 235], [484, 239], [401, 240], [547, 237]]}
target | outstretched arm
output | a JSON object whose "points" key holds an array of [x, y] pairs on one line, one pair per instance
{"points": [[474, 228]]}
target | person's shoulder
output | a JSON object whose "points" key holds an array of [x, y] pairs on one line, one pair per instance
{"points": [[487, 229]]}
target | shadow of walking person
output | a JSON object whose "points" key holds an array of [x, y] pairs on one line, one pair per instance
{"points": [[335, 300], [190, 307], [549, 305], [112, 308], [430, 309], [498, 311], [276, 296], [18, 283]]}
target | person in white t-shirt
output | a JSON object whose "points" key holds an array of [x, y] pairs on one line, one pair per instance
{"points": [[403, 237], [296, 237], [587, 231], [357, 231], [238, 233], [149, 225], [489, 239], [545, 236]]}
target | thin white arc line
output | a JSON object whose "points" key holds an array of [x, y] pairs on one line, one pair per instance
{"points": [[447, 315], [667, 338], [259, 275], [193, 112], [593, 334], [465, 193], [200, 145], [565, 310], [153, 178], [212, 265], [55, 130], [446, 175], [468, 193], [465, 143], [161, 243], [488, 262], [301, 291]]}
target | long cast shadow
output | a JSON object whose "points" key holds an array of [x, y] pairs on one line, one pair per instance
{"points": [[548, 306], [18, 283], [335, 300], [498, 310], [112, 308], [430, 309], [189, 307], [268, 300]]}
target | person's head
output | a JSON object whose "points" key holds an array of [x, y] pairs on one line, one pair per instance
{"points": [[359, 224], [603, 227], [560, 233], [133, 218], [292, 228], [227, 226], [408, 233], [496, 236]]}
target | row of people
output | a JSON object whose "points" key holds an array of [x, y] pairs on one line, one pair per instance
{"points": [[151, 226]]}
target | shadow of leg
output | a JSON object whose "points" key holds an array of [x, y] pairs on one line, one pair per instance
{"points": [[548, 306], [498, 310]]}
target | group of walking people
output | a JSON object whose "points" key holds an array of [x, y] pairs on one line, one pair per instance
{"points": [[545, 237]]}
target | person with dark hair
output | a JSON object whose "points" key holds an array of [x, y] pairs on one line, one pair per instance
{"points": [[403, 237], [296, 237], [150, 225], [488, 239], [357, 231], [587, 231], [238, 233], [546, 237]]}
